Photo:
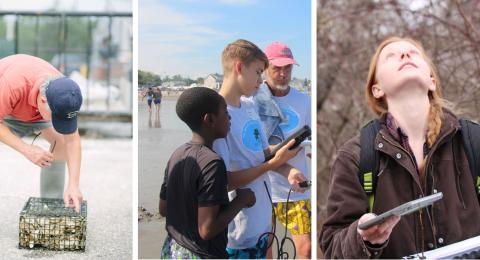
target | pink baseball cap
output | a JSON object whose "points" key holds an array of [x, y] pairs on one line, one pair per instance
{"points": [[279, 54]]}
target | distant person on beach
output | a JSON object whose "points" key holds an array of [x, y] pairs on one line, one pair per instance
{"points": [[244, 150], [292, 112], [157, 99], [194, 195], [36, 98], [149, 94]]}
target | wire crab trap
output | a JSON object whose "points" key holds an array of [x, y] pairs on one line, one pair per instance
{"points": [[46, 223]]}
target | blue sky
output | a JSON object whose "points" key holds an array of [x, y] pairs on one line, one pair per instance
{"points": [[187, 37]]}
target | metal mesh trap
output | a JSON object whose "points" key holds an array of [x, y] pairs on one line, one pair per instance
{"points": [[46, 223]]}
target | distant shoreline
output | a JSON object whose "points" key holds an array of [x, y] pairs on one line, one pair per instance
{"points": [[166, 95]]}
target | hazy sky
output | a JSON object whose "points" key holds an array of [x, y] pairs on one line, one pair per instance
{"points": [[187, 37]]}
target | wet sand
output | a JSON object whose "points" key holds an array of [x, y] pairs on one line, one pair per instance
{"points": [[157, 139]]}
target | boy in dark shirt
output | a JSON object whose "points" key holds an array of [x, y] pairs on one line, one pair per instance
{"points": [[194, 195]]}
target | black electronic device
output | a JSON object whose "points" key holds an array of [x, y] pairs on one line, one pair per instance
{"points": [[305, 184], [300, 135]]}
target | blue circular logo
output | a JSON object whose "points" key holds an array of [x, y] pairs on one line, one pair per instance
{"points": [[251, 135], [292, 120]]}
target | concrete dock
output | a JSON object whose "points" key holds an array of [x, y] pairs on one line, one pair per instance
{"points": [[106, 183]]}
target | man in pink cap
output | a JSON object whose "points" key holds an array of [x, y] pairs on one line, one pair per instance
{"points": [[283, 110]]}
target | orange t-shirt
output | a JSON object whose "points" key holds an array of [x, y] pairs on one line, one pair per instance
{"points": [[20, 79]]}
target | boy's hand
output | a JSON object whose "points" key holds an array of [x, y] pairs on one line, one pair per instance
{"points": [[38, 156], [380, 233], [246, 196], [284, 154], [294, 178]]}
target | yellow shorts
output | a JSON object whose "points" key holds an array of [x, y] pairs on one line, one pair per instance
{"points": [[299, 216]]}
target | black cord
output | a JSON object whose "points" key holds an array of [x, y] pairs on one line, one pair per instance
{"points": [[37, 135], [53, 146], [281, 253]]}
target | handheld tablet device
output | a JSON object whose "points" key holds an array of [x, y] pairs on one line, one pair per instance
{"points": [[402, 210], [300, 135]]}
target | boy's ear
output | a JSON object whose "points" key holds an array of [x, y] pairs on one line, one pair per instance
{"points": [[208, 119], [238, 67]]}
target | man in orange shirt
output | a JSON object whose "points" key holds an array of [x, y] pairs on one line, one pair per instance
{"points": [[36, 97]]}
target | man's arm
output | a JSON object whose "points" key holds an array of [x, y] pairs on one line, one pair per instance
{"points": [[162, 204], [72, 195], [214, 219], [33, 153], [162, 207]]}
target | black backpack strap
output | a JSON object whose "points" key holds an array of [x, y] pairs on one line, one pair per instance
{"points": [[471, 142], [369, 160]]}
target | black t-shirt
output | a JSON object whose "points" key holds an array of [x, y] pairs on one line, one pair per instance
{"points": [[195, 177]]}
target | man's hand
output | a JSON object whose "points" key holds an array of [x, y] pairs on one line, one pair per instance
{"points": [[377, 234], [247, 197], [38, 156], [294, 178], [72, 197]]}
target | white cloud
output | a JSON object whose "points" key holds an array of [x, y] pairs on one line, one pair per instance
{"points": [[165, 24], [160, 60], [172, 42]]}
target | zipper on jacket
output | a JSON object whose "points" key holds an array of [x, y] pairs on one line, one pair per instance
{"points": [[431, 217], [459, 192]]}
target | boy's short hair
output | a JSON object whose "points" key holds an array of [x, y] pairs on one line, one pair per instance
{"points": [[194, 103], [242, 50]]}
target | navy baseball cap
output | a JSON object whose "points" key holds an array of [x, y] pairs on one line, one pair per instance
{"points": [[64, 99]]}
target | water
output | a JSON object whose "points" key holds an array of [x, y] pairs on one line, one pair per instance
{"points": [[157, 139]]}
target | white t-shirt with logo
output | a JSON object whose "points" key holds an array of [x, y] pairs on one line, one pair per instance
{"points": [[295, 107], [243, 149]]}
